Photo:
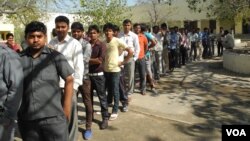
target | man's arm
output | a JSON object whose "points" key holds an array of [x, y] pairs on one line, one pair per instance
{"points": [[137, 48], [78, 65], [13, 76], [126, 59], [68, 94]]}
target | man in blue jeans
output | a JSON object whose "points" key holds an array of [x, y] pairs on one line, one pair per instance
{"points": [[112, 65]]}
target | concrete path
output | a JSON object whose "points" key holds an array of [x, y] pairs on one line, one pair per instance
{"points": [[192, 104]]}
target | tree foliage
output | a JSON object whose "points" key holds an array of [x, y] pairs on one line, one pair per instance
{"points": [[222, 9], [102, 11], [155, 11]]}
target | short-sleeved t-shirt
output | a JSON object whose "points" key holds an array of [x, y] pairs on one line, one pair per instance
{"points": [[42, 94], [111, 63]]}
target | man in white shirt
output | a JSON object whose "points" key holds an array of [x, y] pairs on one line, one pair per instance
{"points": [[72, 50], [132, 41]]}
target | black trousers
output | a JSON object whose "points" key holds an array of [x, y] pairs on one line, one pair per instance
{"points": [[98, 84], [183, 54], [46, 129]]}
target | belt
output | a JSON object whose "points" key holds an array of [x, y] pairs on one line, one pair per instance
{"points": [[96, 74]]}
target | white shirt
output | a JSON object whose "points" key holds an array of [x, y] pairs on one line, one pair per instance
{"points": [[132, 40], [72, 50], [159, 38]]}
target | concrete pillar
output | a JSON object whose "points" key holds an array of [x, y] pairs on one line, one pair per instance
{"points": [[238, 27], [217, 26], [199, 24]]}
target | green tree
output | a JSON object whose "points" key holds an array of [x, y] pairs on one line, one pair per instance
{"points": [[222, 9], [102, 11]]}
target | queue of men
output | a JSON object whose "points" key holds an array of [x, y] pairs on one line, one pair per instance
{"points": [[39, 88]]}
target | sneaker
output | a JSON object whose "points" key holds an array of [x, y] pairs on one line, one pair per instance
{"points": [[87, 134], [125, 108], [154, 91], [113, 116], [104, 124], [110, 105]]}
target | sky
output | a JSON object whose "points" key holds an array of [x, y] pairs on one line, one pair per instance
{"points": [[131, 2]]}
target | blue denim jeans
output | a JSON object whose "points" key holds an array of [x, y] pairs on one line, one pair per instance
{"points": [[112, 86]]}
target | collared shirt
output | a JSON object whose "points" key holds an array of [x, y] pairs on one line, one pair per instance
{"points": [[194, 37], [98, 51], [86, 48], [174, 40], [113, 48], [11, 82], [42, 94], [132, 41], [159, 38], [72, 50]]}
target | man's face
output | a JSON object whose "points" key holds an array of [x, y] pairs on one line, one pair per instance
{"points": [[137, 29], [77, 33], [109, 33], [36, 40], [116, 33], [93, 35], [62, 29], [156, 30], [127, 27], [10, 40]]}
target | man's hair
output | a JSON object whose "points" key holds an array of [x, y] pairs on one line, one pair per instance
{"points": [[116, 28], [9, 35], [77, 25], [108, 26], [144, 27], [226, 32], [156, 27], [35, 26], [94, 27], [136, 24], [62, 19], [164, 25], [54, 33], [126, 21]]}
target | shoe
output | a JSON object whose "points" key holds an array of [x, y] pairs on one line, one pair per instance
{"points": [[104, 124], [87, 134], [113, 116], [154, 91], [81, 122], [143, 93], [125, 108], [110, 105]]}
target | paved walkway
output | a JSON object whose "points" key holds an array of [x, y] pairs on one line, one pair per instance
{"points": [[192, 104]]}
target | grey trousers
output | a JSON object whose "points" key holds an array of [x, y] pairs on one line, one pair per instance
{"points": [[7, 129], [73, 123], [129, 70], [46, 129], [165, 60]]}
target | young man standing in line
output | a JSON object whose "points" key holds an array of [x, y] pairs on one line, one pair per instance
{"points": [[72, 50], [112, 65], [140, 63], [96, 74], [43, 114], [77, 33], [132, 41]]}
